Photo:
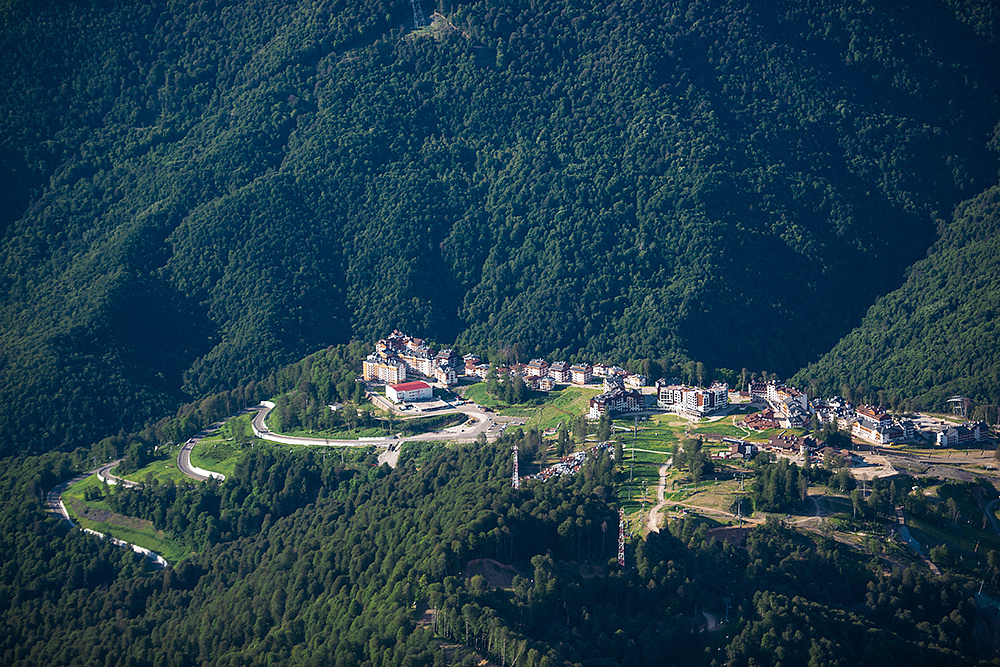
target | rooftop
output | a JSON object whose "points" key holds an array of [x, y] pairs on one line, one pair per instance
{"points": [[411, 386]]}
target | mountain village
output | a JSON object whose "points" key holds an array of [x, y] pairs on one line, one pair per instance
{"points": [[408, 368]]}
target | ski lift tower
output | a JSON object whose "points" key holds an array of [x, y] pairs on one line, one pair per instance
{"points": [[621, 538], [515, 481], [418, 15], [959, 406]]}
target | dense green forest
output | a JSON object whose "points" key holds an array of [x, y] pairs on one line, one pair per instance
{"points": [[196, 193], [938, 334], [302, 560]]}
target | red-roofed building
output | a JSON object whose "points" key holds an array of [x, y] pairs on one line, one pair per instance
{"points": [[874, 416], [409, 392]]}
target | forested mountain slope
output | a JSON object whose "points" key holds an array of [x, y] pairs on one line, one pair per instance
{"points": [[219, 188], [303, 562], [938, 334]]}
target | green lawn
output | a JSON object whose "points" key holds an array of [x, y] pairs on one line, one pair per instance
{"points": [[218, 454], [380, 428], [961, 537], [162, 468], [560, 405], [477, 394], [136, 531], [645, 474], [724, 427], [660, 437]]}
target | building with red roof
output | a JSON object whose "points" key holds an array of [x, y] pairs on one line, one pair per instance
{"points": [[409, 392]]}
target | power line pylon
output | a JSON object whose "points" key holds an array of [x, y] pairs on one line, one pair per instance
{"points": [[515, 480], [418, 15], [621, 538]]}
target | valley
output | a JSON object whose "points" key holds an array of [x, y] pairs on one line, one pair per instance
{"points": [[699, 286]]}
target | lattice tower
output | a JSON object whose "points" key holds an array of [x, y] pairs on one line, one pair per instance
{"points": [[515, 480], [418, 15], [621, 538]]}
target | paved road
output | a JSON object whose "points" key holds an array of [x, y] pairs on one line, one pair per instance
{"points": [[989, 510], [653, 522], [104, 474], [184, 457], [904, 532], [54, 504], [954, 465], [486, 424], [53, 499]]}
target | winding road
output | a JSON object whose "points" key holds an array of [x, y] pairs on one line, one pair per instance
{"points": [[184, 457], [55, 505], [485, 425], [53, 499]]}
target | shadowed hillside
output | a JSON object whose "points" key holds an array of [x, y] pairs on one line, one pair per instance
{"points": [[217, 189]]}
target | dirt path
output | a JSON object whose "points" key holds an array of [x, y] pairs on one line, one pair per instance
{"points": [[653, 522], [819, 512]]}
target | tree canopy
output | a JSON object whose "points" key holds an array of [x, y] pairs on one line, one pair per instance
{"points": [[195, 194]]}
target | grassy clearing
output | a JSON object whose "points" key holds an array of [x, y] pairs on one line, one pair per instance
{"points": [[163, 468], [645, 475], [171, 551], [559, 405], [477, 394], [98, 515], [713, 494], [650, 435], [725, 427], [218, 454], [959, 538], [380, 427]]}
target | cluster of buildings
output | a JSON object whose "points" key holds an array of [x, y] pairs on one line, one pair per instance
{"points": [[873, 424], [571, 464], [869, 423], [962, 435], [400, 355], [620, 397], [671, 395], [540, 375], [804, 447], [761, 421], [789, 406]]}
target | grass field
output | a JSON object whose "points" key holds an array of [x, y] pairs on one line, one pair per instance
{"points": [[130, 529], [723, 427], [218, 454], [959, 538], [380, 427], [477, 394], [560, 405], [162, 468]]}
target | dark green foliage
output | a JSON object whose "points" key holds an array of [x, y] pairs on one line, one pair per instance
{"points": [[936, 336], [220, 188], [331, 573], [690, 456], [776, 487], [512, 391]]}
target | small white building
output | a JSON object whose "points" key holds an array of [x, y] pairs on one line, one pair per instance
{"points": [[636, 381], [409, 392]]}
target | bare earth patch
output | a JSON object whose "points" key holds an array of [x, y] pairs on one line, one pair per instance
{"points": [[874, 466], [496, 574], [109, 517]]}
